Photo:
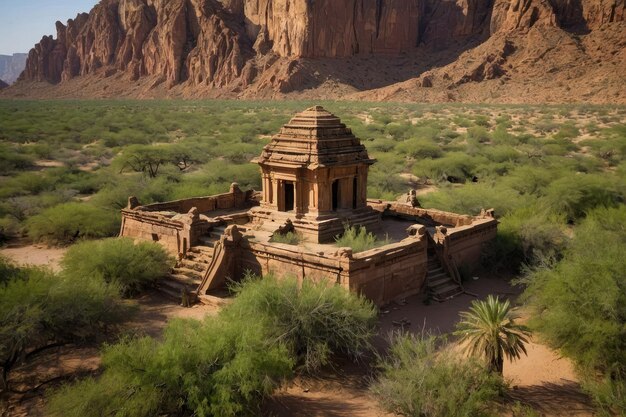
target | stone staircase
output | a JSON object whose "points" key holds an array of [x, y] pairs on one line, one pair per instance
{"points": [[187, 275], [439, 284]]}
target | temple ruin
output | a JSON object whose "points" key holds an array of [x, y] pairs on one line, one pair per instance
{"points": [[314, 183]]}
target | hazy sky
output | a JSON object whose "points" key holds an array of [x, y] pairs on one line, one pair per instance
{"points": [[24, 22]]}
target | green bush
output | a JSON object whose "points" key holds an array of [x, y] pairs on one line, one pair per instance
{"points": [[359, 239], [575, 195], [580, 303], [526, 236], [130, 266], [213, 368], [68, 222], [289, 238], [39, 309], [223, 366], [472, 197], [315, 321], [419, 379]]}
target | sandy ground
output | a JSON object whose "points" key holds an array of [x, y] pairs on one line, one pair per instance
{"points": [[542, 379], [34, 255]]}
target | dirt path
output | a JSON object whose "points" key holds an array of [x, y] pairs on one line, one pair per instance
{"points": [[38, 255]]}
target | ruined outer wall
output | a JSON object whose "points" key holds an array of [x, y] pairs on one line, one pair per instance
{"points": [[177, 235], [153, 228], [466, 243], [381, 274], [289, 260], [235, 198], [386, 273], [411, 213]]}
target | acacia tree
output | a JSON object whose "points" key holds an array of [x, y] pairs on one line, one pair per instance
{"points": [[147, 159], [489, 330]]}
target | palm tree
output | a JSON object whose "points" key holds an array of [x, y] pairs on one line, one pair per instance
{"points": [[489, 329]]}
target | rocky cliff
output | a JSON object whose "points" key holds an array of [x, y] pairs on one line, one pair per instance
{"points": [[11, 66], [315, 47]]}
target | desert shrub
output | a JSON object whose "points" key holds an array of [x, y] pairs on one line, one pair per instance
{"points": [[526, 236], [382, 145], [575, 195], [472, 197], [500, 153], [223, 366], [213, 368], [581, 303], [39, 309], [359, 239], [12, 160], [315, 321], [386, 185], [531, 180], [478, 134], [419, 148], [420, 379], [120, 261], [289, 238], [457, 166], [65, 223], [567, 131]]}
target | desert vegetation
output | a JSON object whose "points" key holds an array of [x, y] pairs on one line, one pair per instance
{"points": [[83, 304], [223, 366], [555, 175]]}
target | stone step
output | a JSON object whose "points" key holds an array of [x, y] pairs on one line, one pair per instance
{"points": [[436, 276], [432, 283], [177, 279], [201, 249], [191, 273], [434, 271], [201, 258], [195, 264]]}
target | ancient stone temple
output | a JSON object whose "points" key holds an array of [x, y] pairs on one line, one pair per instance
{"points": [[315, 173]]}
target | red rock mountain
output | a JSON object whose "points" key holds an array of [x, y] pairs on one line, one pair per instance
{"points": [[415, 50]]}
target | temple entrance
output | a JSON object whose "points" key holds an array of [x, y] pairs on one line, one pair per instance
{"points": [[354, 193], [289, 196], [335, 195]]}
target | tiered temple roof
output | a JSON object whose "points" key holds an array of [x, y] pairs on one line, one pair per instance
{"points": [[314, 139]]}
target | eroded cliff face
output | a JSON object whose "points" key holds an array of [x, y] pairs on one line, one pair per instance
{"points": [[234, 44]]}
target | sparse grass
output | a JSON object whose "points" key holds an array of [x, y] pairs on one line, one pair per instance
{"points": [[289, 238], [359, 239]]}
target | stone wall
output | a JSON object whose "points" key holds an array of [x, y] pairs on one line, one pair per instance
{"points": [[465, 244], [425, 216], [381, 274], [153, 227], [234, 199], [178, 225], [392, 271]]}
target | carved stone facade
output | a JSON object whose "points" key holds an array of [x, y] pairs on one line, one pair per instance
{"points": [[314, 181], [315, 169]]}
